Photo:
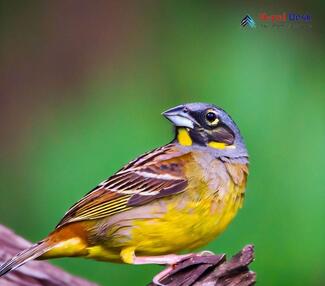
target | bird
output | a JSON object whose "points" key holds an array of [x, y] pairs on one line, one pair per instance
{"points": [[173, 199]]}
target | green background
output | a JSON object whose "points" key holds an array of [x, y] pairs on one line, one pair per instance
{"points": [[83, 86]]}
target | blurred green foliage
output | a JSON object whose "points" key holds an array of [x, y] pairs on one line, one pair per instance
{"points": [[270, 80]]}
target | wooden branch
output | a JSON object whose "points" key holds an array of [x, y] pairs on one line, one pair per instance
{"points": [[198, 270], [213, 270]]}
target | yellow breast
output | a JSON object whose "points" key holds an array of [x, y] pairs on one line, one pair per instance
{"points": [[190, 219], [187, 224]]}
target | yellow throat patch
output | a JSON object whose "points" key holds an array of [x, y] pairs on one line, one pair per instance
{"points": [[217, 145], [183, 137], [220, 145]]}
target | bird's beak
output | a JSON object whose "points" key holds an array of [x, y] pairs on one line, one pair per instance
{"points": [[180, 117]]}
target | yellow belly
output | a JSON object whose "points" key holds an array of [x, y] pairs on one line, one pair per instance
{"points": [[189, 226]]}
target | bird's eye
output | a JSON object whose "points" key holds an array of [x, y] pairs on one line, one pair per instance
{"points": [[211, 117]]}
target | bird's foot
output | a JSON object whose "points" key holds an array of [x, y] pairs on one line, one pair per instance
{"points": [[170, 259], [173, 261]]}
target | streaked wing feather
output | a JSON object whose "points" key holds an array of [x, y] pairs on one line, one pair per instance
{"points": [[138, 199], [154, 175]]}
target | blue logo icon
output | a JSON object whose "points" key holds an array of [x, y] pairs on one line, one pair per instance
{"points": [[248, 21]]}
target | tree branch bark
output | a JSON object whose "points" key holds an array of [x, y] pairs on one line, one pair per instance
{"points": [[213, 270], [198, 270]]}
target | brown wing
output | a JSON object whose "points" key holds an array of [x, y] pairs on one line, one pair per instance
{"points": [[154, 175]]}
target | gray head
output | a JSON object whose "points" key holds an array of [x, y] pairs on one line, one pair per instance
{"points": [[206, 125]]}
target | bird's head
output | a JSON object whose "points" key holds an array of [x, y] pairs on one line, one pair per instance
{"points": [[206, 125]]}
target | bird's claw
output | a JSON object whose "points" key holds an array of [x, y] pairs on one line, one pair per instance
{"points": [[205, 253]]}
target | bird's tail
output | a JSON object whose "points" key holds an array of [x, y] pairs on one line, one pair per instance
{"points": [[21, 258], [62, 242]]}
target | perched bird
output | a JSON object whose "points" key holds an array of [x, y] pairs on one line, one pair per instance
{"points": [[177, 197]]}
